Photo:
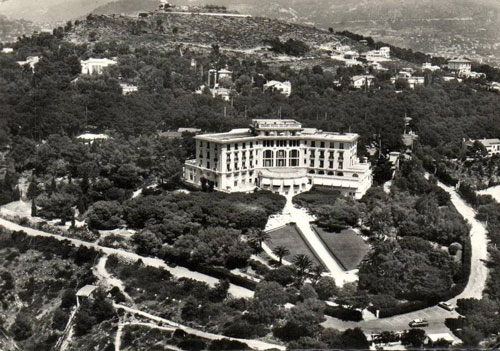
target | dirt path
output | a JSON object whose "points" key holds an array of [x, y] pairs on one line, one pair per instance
{"points": [[254, 344], [104, 276], [178, 271], [479, 242]]}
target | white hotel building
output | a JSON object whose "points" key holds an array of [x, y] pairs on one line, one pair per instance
{"points": [[281, 156]]}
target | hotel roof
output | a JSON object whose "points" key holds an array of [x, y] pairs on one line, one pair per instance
{"points": [[244, 134], [459, 61]]}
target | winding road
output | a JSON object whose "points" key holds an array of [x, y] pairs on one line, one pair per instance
{"points": [[178, 271], [436, 315], [254, 344]]}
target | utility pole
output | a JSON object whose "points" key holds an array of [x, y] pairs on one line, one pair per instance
{"points": [[379, 145]]}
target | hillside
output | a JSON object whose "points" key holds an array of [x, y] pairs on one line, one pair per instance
{"points": [[445, 27], [10, 29], [167, 29]]}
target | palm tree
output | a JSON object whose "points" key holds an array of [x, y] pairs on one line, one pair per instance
{"points": [[258, 236], [316, 273], [281, 251], [303, 264]]}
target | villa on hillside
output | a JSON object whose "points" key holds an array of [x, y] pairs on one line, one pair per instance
{"points": [[96, 65], [430, 67], [128, 88], [30, 61], [412, 81], [284, 88], [280, 156], [359, 82], [460, 65], [383, 52], [491, 145]]}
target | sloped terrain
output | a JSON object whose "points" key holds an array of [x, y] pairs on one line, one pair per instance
{"points": [[168, 28]]}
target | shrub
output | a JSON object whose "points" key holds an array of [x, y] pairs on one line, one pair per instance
{"points": [[59, 319], [345, 314], [227, 345], [192, 344], [21, 328]]}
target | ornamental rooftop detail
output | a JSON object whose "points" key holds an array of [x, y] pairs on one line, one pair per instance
{"points": [[278, 155]]}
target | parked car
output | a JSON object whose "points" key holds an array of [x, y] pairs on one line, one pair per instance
{"points": [[418, 323], [446, 305]]}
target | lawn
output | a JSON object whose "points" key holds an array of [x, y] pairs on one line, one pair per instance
{"points": [[347, 246], [289, 237]]}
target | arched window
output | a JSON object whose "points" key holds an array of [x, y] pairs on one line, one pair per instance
{"points": [[321, 172], [293, 158], [268, 158], [312, 171], [355, 175], [340, 174], [280, 158], [330, 173]]}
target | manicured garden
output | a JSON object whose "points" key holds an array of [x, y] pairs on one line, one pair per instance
{"points": [[347, 246], [289, 237]]}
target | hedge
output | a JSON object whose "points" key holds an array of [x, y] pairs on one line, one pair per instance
{"points": [[216, 272], [400, 309], [460, 278], [342, 313]]}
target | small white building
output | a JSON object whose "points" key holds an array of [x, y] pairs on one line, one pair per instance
{"points": [[284, 88], [223, 93], [430, 67], [89, 138], [352, 63], [412, 81], [7, 50], [351, 55], [491, 145], [360, 82], [494, 86], [85, 293], [472, 75], [128, 88], [394, 159], [432, 338], [460, 65], [415, 81], [449, 79], [214, 77], [30, 60], [341, 49], [96, 65], [383, 52]]}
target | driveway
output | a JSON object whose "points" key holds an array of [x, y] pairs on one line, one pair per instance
{"points": [[436, 315]]}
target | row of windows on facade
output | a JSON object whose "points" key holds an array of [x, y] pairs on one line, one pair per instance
{"points": [[277, 143], [279, 162], [279, 153], [295, 154]]}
